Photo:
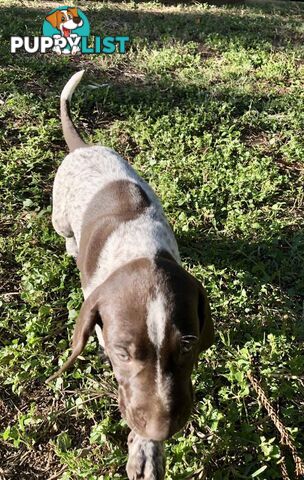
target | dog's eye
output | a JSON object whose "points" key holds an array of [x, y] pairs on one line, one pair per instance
{"points": [[187, 343], [186, 347], [62, 19], [70, 16], [123, 356]]}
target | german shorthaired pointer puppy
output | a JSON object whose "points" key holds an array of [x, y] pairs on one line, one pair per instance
{"points": [[151, 317]]}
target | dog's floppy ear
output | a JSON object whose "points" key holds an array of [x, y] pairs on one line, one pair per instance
{"points": [[85, 323], [52, 18], [206, 338], [73, 11]]}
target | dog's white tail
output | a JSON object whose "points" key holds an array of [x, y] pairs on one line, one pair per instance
{"points": [[70, 133]]}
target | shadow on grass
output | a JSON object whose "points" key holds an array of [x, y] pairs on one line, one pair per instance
{"points": [[187, 25], [43, 75], [267, 6]]}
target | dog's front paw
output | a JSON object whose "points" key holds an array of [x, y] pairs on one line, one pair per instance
{"points": [[146, 459], [75, 50]]}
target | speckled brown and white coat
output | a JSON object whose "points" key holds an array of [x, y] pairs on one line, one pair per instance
{"points": [[151, 316]]}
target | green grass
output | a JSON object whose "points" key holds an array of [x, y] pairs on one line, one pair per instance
{"points": [[208, 106]]}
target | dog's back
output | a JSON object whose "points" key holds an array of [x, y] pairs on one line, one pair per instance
{"points": [[83, 173], [97, 195]]}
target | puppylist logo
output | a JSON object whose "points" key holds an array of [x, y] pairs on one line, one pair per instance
{"points": [[67, 30]]}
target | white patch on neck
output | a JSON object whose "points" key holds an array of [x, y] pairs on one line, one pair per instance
{"points": [[156, 320]]}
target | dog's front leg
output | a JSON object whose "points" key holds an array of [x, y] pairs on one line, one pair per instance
{"points": [[146, 458], [71, 247]]}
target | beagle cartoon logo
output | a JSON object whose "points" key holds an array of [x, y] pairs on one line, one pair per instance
{"points": [[67, 25], [67, 30]]}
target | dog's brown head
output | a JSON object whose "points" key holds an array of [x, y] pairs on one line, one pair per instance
{"points": [[155, 319]]}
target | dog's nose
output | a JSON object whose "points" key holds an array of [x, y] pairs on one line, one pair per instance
{"points": [[77, 20]]}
